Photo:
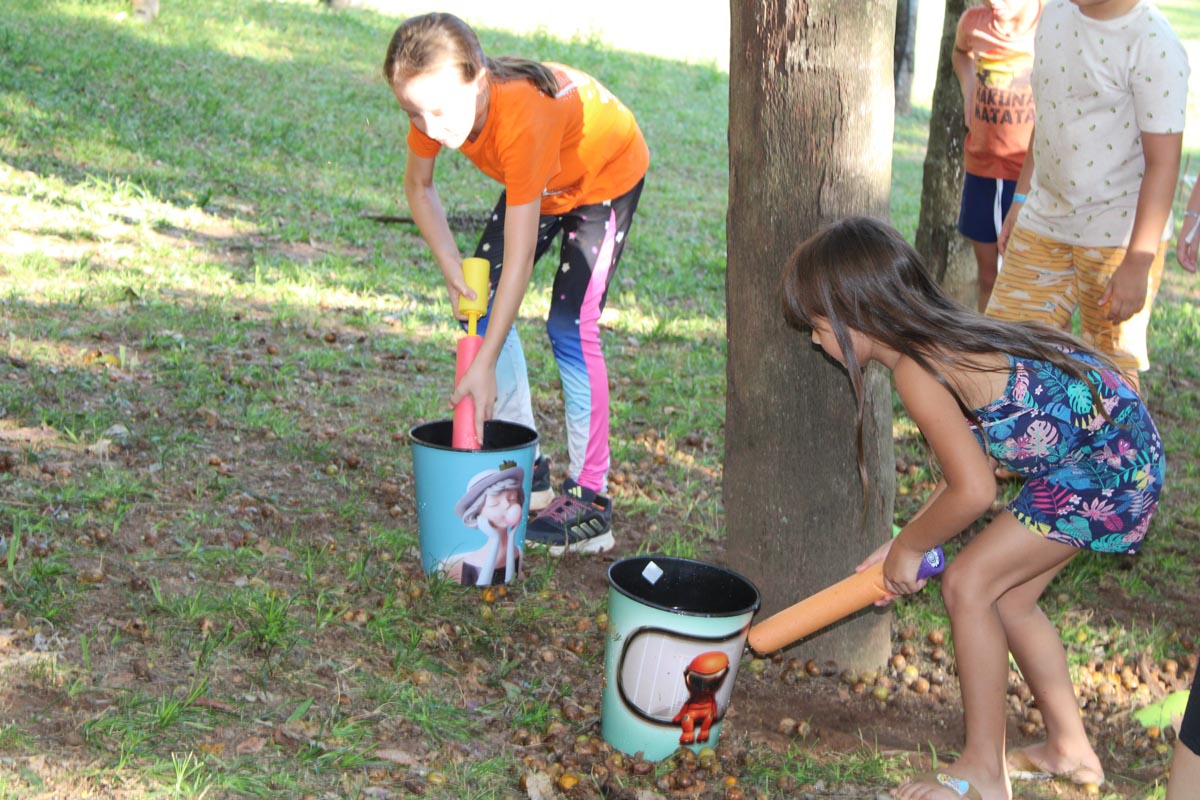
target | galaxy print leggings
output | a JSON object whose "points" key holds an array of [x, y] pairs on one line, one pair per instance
{"points": [[593, 237]]}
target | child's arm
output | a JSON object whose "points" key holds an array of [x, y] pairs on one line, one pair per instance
{"points": [[1188, 243], [964, 68], [427, 212], [1022, 188], [934, 495], [1126, 292], [881, 552], [970, 485], [520, 241]]}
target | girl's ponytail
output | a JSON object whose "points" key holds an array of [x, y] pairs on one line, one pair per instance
{"points": [[505, 68]]}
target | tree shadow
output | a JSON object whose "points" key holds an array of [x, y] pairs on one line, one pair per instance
{"points": [[277, 116]]}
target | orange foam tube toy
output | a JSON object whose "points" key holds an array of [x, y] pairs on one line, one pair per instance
{"points": [[831, 604], [475, 273]]}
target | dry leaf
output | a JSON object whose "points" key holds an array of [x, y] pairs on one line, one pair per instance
{"points": [[214, 703], [540, 786], [94, 356], [210, 417], [251, 746], [281, 738], [304, 730], [402, 757], [268, 549]]}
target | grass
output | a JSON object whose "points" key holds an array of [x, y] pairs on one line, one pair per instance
{"points": [[209, 358]]}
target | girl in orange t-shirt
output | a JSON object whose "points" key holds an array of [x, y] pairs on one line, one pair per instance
{"points": [[572, 160]]}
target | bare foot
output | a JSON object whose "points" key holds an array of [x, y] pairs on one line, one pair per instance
{"points": [[954, 782], [1044, 761]]}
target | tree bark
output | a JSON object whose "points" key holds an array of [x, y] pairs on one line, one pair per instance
{"points": [[904, 54], [810, 140], [947, 253]]}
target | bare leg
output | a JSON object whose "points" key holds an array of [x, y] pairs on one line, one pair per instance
{"points": [[1185, 773], [1007, 555], [987, 259], [1038, 650], [1185, 765]]}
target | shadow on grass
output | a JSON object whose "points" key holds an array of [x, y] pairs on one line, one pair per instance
{"points": [[277, 114]]}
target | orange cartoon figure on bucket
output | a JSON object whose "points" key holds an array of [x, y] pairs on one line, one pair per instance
{"points": [[703, 678]]}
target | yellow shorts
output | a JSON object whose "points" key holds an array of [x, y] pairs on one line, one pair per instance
{"points": [[1044, 280]]}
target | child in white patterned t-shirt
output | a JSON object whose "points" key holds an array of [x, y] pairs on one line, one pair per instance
{"points": [[1092, 211]]}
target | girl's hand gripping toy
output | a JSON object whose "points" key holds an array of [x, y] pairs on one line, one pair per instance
{"points": [[831, 604], [475, 273]]}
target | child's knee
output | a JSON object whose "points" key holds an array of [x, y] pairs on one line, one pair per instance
{"points": [[1016, 609], [960, 587]]}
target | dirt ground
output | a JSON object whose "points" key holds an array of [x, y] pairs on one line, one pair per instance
{"points": [[267, 510], [769, 706], [776, 703]]}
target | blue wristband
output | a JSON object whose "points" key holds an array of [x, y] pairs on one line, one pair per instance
{"points": [[1018, 198]]}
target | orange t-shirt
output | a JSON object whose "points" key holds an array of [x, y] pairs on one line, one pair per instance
{"points": [[579, 147], [1002, 110]]}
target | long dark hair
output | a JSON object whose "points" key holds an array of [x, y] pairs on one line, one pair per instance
{"points": [[859, 273], [430, 40]]}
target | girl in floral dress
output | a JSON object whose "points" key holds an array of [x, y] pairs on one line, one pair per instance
{"points": [[985, 392]]}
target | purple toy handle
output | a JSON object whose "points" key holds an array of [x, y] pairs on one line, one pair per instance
{"points": [[932, 564]]}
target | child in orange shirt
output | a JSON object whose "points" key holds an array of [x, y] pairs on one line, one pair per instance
{"points": [[572, 160], [993, 57]]}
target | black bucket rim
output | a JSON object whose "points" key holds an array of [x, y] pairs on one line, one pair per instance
{"points": [[750, 609], [415, 440]]}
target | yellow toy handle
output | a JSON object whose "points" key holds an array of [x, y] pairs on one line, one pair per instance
{"points": [[475, 272]]}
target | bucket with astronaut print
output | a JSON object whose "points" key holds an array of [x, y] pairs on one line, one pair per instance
{"points": [[472, 504], [676, 631]]}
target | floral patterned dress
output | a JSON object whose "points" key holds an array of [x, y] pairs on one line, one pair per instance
{"points": [[1089, 482]]}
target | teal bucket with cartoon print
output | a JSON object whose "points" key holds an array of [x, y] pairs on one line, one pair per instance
{"points": [[676, 631], [472, 504]]}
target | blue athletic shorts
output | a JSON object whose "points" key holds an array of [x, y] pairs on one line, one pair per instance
{"points": [[981, 214]]}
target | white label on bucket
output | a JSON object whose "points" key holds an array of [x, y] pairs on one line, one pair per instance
{"points": [[652, 572]]}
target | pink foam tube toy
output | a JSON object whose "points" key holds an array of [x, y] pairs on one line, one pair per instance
{"points": [[475, 273], [463, 436]]}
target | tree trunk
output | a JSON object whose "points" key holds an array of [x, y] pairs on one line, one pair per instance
{"points": [[947, 252], [903, 54], [810, 140]]}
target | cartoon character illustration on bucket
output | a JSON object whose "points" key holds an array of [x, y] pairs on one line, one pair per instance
{"points": [[493, 503], [703, 678]]}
